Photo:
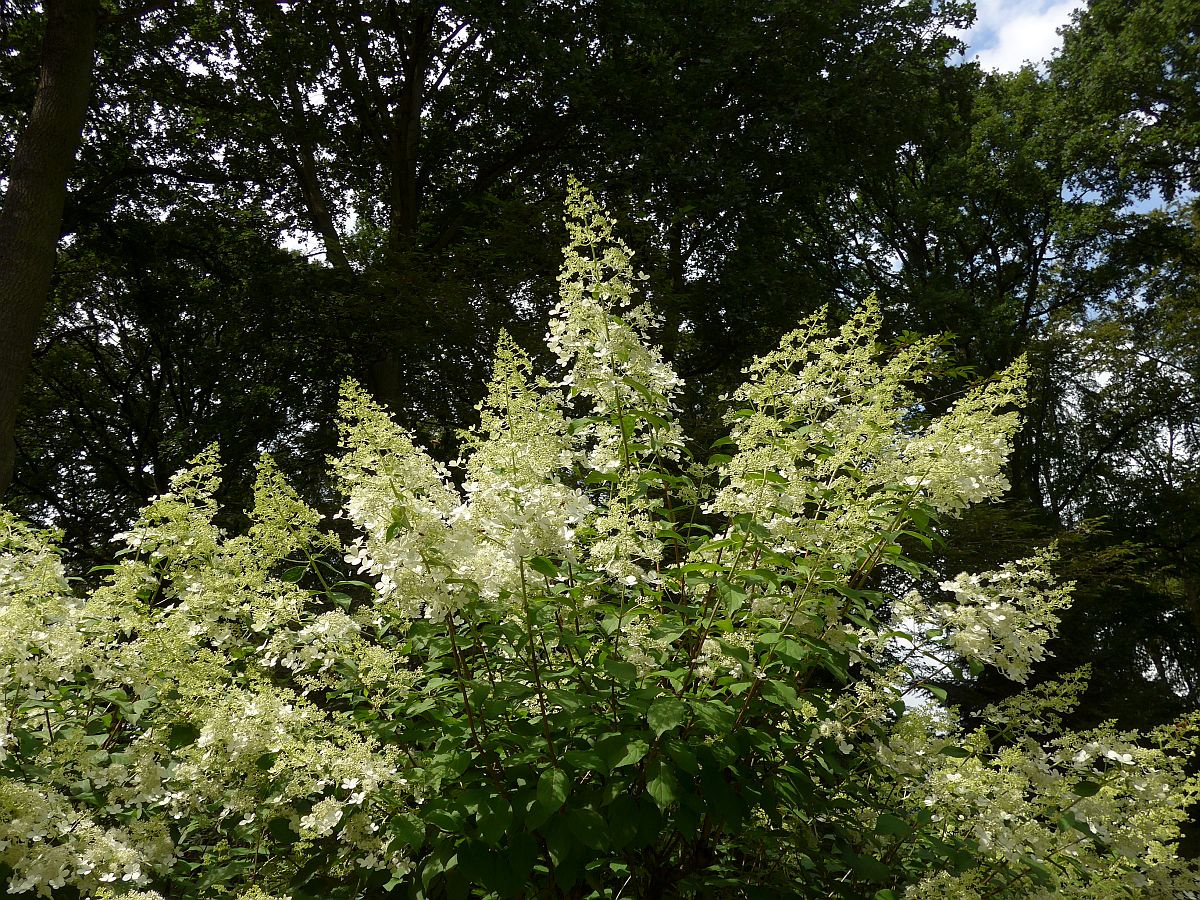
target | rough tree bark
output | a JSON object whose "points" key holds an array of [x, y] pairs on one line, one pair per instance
{"points": [[31, 217]]}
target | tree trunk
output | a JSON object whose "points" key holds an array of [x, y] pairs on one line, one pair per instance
{"points": [[33, 206], [305, 166]]}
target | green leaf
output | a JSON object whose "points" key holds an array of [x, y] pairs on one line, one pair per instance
{"points": [[443, 814], [1069, 820], [588, 760], [536, 815], [716, 716], [703, 568], [955, 752], [281, 830], [791, 652], [666, 715], [622, 671], [780, 694], [552, 789], [622, 750], [1086, 788], [181, 735], [542, 566], [493, 819], [867, 868], [522, 853], [350, 582], [589, 828], [890, 824], [450, 765], [408, 829], [294, 574], [622, 821], [661, 784], [483, 866], [266, 761], [568, 700], [682, 756]]}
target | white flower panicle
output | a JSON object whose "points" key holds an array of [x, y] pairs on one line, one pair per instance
{"points": [[959, 459], [48, 844], [1096, 811], [1002, 618], [600, 338], [518, 502], [1039, 710], [402, 501], [828, 448], [31, 569], [283, 524], [596, 332], [40, 640], [434, 550], [176, 528]]}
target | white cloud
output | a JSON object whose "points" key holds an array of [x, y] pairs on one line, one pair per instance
{"points": [[1008, 33]]}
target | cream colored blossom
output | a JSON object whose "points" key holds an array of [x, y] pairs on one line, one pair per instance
{"points": [[829, 452], [1002, 618]]}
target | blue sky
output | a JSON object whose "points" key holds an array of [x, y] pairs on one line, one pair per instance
{"points": [[1010, 32]]}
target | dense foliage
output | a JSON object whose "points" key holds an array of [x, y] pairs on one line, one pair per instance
{"points": [[583, 663], [270, 197]]}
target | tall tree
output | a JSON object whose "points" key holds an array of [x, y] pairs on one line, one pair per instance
{"points": [[708, 120], [1130, 68], [33, 203], [167, 336]]}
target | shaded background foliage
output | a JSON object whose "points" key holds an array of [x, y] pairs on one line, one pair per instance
{"points": [[271, 196]]}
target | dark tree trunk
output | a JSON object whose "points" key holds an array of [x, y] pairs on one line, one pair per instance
{"points": [[305, 165], [33, 206]]}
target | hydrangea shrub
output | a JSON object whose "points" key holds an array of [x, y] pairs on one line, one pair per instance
{"points": [[580, 663]]}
